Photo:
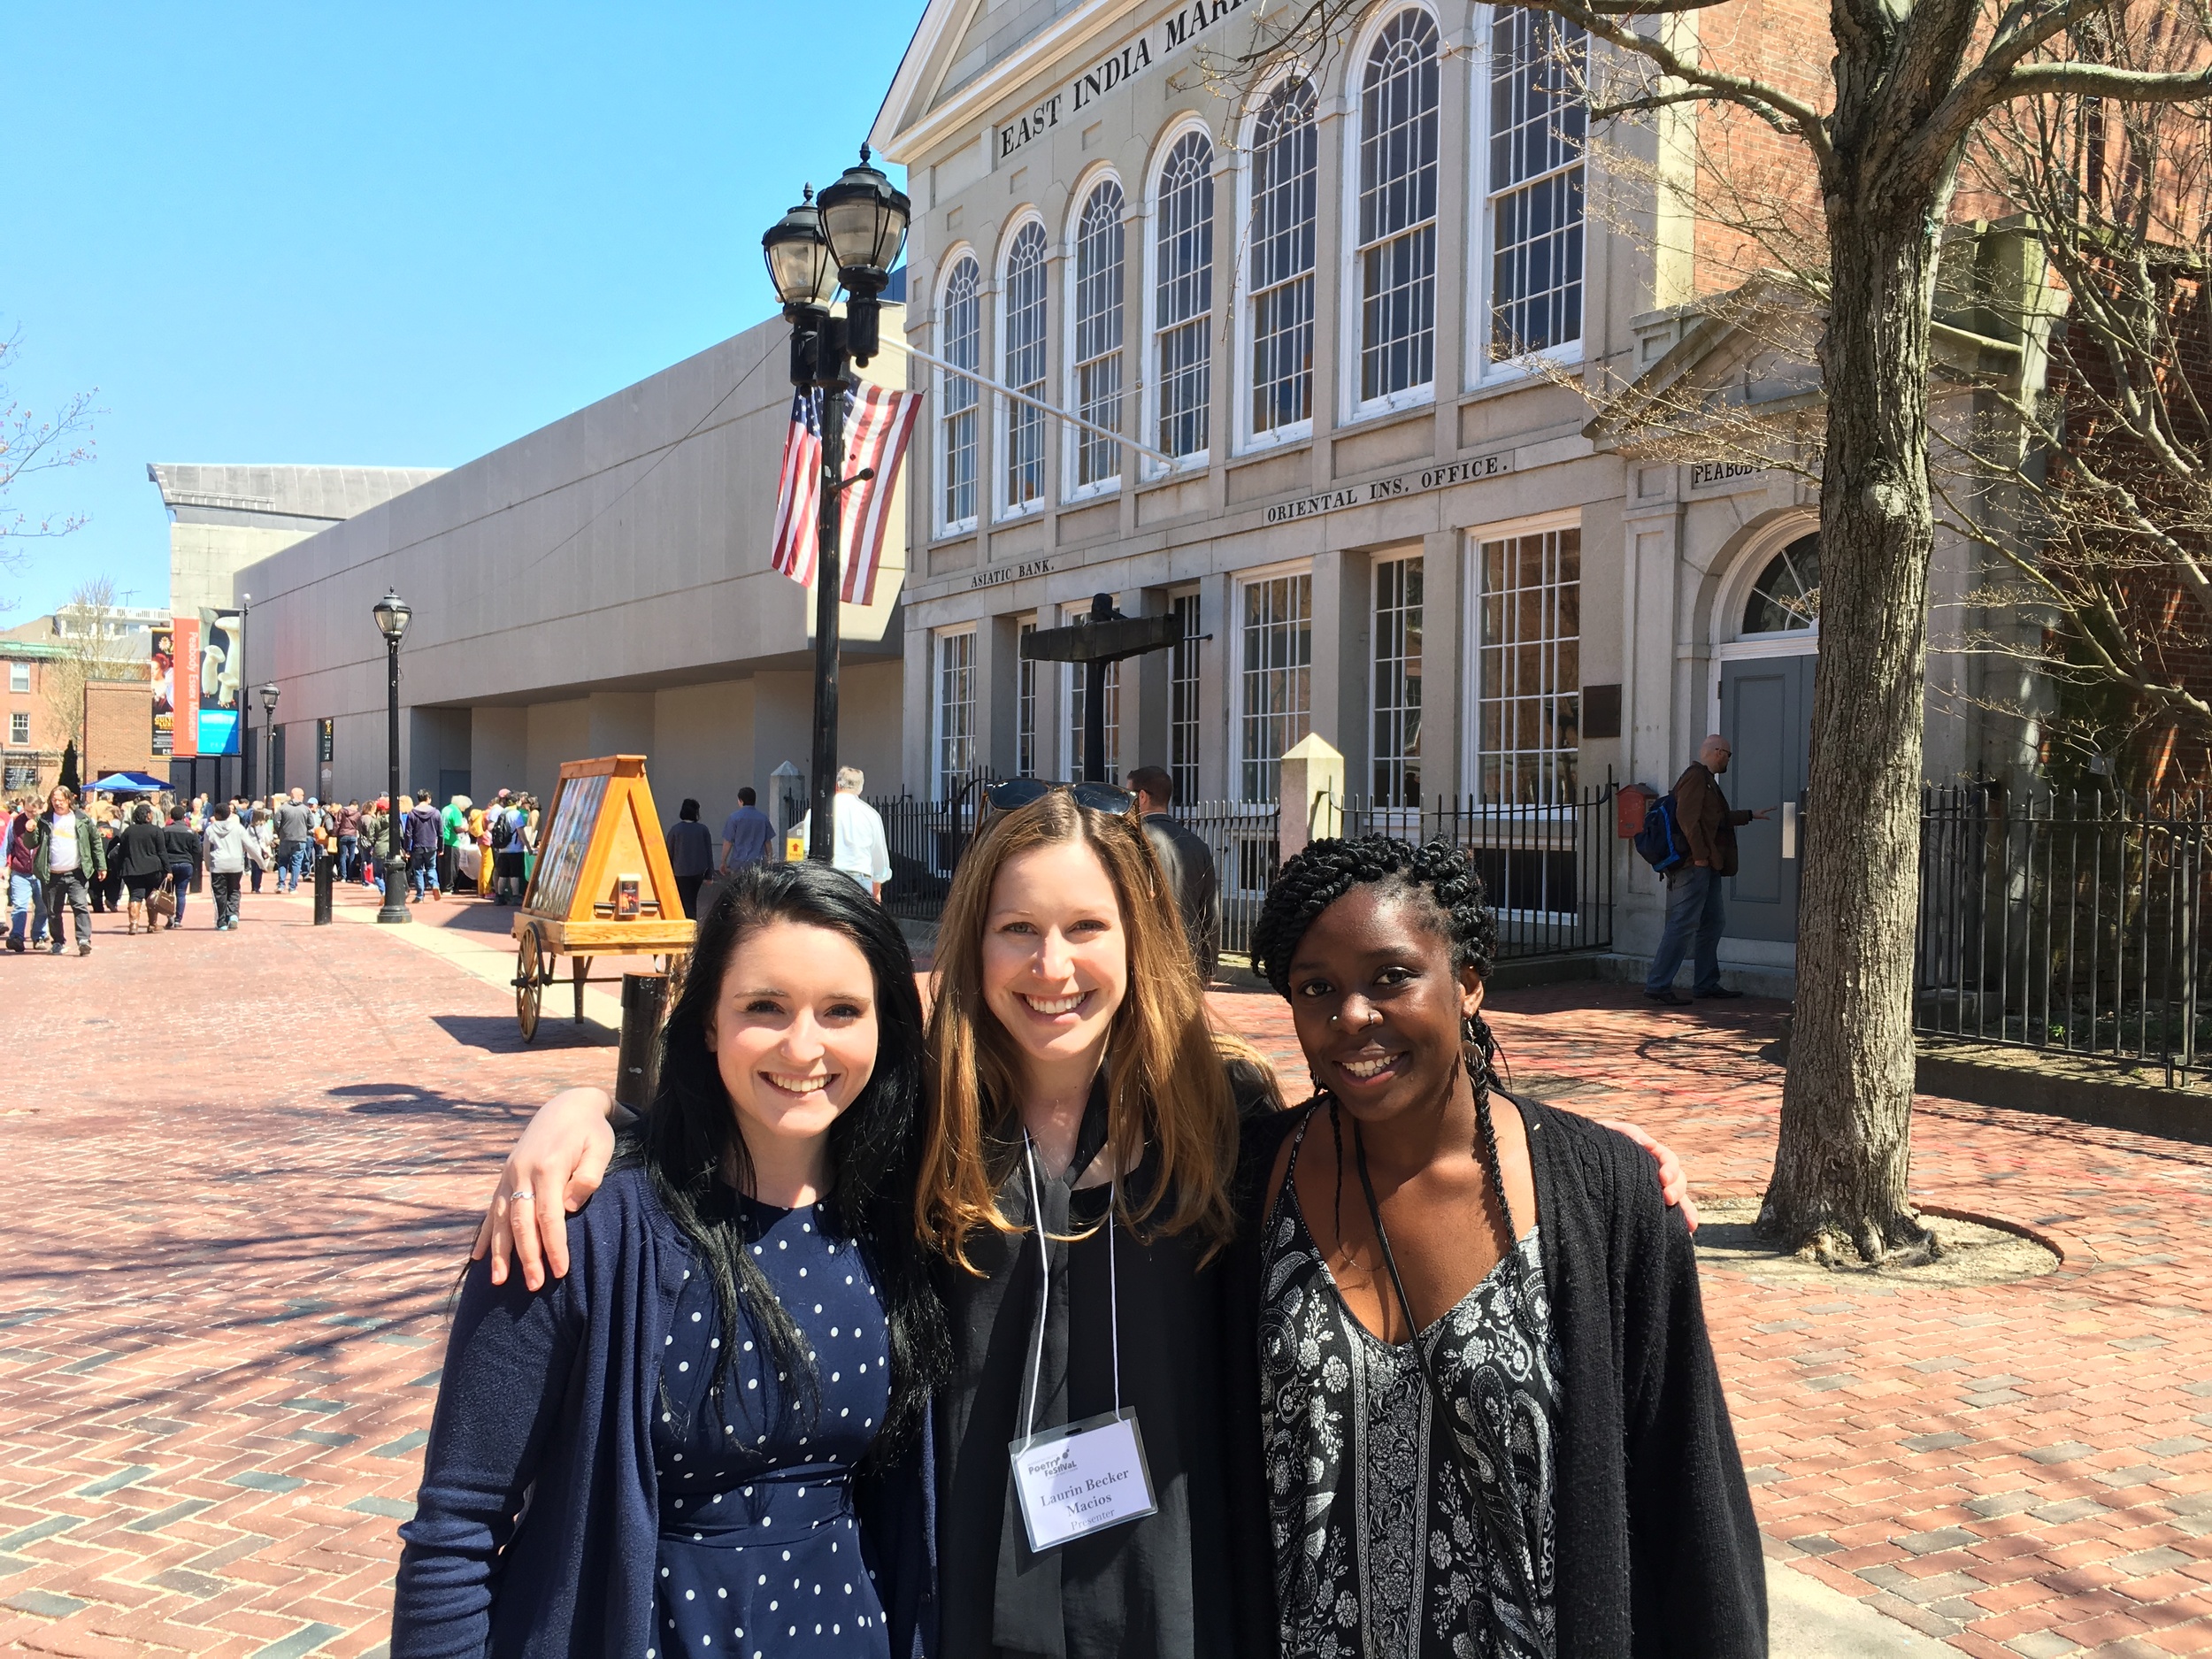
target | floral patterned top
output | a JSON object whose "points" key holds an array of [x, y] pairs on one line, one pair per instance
{"points": [[1390, 1544]]}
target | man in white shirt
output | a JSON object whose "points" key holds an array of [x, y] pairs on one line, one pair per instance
{"points": [[861, 849]]}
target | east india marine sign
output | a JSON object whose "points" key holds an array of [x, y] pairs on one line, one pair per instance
{"points": [[1170, 34]]}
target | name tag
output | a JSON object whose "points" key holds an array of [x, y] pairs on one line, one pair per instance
{"points": [[1073, 1481]]}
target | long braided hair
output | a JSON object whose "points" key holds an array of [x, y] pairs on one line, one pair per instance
{"points": [[1442, 876]]}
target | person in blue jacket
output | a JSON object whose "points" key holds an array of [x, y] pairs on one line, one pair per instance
{"points": [[712, 1436]]}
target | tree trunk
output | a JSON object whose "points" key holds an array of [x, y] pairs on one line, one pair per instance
{"points": [[1841, 1168]]}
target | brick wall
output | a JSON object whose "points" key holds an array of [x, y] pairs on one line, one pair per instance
{"points": [[119, 729], [34, 762], [1758, 197]]}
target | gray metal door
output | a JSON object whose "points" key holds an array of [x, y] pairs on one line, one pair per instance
{"points": [[1766, 713]]}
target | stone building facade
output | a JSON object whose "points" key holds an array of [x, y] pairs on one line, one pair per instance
{"points": [[1337, 295]]}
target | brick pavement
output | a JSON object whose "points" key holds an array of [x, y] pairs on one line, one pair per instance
{"points": [[248, 1167]]}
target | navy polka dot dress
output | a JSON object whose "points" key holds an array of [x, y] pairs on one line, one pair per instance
{"points": [[759, 1551]]}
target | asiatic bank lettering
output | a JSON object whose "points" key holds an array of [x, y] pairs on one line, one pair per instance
{"points": [[1170, 34]]}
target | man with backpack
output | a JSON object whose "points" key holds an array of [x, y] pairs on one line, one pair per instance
{"points": [[505, 826], [1701, 855]]}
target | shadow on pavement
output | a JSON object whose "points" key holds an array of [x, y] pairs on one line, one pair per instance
{"points": [[496, 1033]]}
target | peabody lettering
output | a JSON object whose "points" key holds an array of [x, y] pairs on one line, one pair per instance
{"points": [[1391, 489], [1706, 475], [1170, 34]]}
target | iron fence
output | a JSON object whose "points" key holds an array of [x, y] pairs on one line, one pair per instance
{"points": [[1246, 840], [926, 838], [2065, 922], [1547, 869]]}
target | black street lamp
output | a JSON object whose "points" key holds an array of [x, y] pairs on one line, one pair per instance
{"points": [[245, 712], [850, 235], [269, 693], [391, 621]]}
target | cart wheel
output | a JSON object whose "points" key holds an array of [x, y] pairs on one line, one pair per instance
{"points": [[578, 966], [529, 984]]}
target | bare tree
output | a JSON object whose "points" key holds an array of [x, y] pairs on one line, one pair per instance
{"points": [[92, 650], [29, 444], [1879, 130]]}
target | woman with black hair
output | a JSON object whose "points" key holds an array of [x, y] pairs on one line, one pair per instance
{"points": [[712, 1435], [1491, 1417], [141, 856]]}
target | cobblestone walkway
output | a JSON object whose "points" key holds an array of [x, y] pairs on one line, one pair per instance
{"points": [[246, 1170]]}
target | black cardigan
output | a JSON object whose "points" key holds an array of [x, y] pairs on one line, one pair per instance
{"points": [[1658, 1550]]}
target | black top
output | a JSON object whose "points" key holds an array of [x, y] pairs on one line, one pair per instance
{"points": [[140, 854], [1182, 1584], [181, 846], [1187, 864], [1658, 1550]]}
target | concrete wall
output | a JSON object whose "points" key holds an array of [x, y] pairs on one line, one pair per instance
{"points": [[601, 586]]}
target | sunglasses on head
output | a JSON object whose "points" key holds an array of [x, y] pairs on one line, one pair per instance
{"points": [[1019, 791]]}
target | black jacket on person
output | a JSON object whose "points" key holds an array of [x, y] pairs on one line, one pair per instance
{"points": [[181, 846], [1188, 865], [1658, 1550], [140, 855]]}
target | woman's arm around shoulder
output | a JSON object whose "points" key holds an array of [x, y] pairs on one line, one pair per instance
{"points": [[500, 1398], [1698, 1577]]}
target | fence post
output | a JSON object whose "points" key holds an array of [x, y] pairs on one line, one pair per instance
{"points": [[1311, 787]]}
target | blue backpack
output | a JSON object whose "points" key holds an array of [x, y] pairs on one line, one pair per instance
{"points": [[1660, 841]]}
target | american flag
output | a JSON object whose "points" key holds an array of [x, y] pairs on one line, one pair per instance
{"points": [[878, 424]]}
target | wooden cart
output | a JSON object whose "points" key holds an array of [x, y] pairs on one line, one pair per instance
{"points": [[602, 886]]}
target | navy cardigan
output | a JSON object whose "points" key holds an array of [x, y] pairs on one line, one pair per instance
{"points": [[536, 1529]]}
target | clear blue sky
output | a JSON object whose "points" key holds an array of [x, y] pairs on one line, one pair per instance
{"points": [[398, 234]]}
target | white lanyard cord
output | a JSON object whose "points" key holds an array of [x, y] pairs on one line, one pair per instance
{"points": [[1044, 1286]]}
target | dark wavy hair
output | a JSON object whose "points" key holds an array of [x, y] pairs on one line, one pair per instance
{"points": [[691, 1134]]}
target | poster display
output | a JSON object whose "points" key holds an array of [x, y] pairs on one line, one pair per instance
{"points": [[561, 851], [162, 668], [218, 680]]}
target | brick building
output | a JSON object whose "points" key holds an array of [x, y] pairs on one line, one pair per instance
{"points": [[30, 744], [118, 730]]}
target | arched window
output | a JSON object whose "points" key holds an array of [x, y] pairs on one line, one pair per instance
{"points": [[1284, 145], [1024, 368], [1183, 294], [1098, 251], [1538, 126], [1785, 599], [1396, 232], [962, 311]]}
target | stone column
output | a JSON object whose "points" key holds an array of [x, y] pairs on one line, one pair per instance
{"points": [[1343, 665], [1448, 665]]}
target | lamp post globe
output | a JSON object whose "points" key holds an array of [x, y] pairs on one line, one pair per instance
{"points": [[392, 613], [269, 693], [799, 263], [864, 217]]}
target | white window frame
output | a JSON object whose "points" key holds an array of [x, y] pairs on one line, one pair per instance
{"points": [[1005, 508], [1249, 440], [939, 639], [1351, 406], [1234, 625], [1071, 441], [1072, 685], [1174, 134], [1470, 627], [1194, 629], [19, 677], [1025, 703], [963, 254], [19, 726], [1375, 758], [1482, 240]]}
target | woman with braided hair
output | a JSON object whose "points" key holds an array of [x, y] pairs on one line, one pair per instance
{"points": [[1491, 1422]]}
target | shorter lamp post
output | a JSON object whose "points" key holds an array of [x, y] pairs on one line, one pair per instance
{"points": [[269, 693], [391, 622], [850, 235]]}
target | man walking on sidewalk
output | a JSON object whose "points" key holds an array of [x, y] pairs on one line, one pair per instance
{"points": [[1696, 908], [294, 825], [71, 857]]}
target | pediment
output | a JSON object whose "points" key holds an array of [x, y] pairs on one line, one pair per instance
{"points": [[979, 52]]}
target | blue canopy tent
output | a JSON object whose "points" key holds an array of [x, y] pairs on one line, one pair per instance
{"points": [[125, 783]]}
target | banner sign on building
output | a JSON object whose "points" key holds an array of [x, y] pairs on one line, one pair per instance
{"points": [[184, 687], [162, 668], [221, 660]]}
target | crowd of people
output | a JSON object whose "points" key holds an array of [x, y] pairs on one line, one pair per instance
{"points": [[142, 857]]}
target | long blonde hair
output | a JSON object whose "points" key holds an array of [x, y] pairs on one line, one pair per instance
{"points": [[1165, 1089]]}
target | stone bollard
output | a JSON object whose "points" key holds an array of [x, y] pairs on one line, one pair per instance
{"points": [[1311, 794]]}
